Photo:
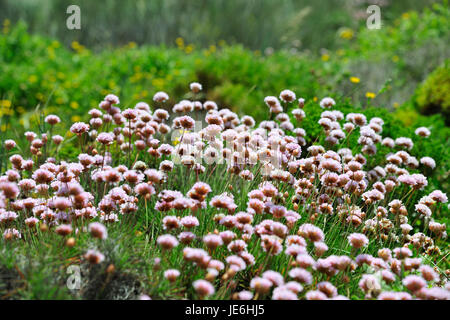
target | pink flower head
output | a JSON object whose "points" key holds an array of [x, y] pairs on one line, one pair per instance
{"points": [[160, 96], [94, 257], [167, 241], [98, 230], [52, 119], [79, 128], [203, 288], [357, 240], [414, 283], [171, 274]]}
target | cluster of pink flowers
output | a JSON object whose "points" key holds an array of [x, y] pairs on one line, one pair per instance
{"points": [[287, 203]]}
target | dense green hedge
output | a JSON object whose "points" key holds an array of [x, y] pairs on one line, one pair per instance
{"points": [[433, 96], [389, 62]]}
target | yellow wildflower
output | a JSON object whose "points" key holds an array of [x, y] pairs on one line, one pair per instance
{"points": [[180, 42], [355, 80], [5, 103], [75, 118], [346, 33], [189, 48], [32, 78], [370, 95]]}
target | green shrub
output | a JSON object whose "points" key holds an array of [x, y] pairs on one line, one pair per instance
{"points": [[433, 96]]}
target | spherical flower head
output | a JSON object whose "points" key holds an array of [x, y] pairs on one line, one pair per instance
{"points": [[10, 189], [275, 277], [171, 222], [167, 241], [387, 276], [171, 274], [428, 162], [195, 87], [203, 288], [422, 132], [57, 139], [11, 233], [144, 189], [160, 96], [327, 103], [329, 289], [130, 114], [186, 237], [10, 144], [311, 232], [210, 106], [98, 230], [428, 273], [271, 101], [79, 128], [369, 283], [105, 138], [357, 240], [31, 222], [61, 203], [414, 283], [404, 142], [64, 230], [402, 252], [278, 211], [245, 295], [271, 244], [189, 222], [112, 99], [282, 293], [299, 114], [423, 210], [261, 285], [237, 246], [287, 96], [301, 275], [320, 248], [385, 254], [304, 260], [52, 119], [212, 241], [315, 295], [236, 263], [438, 196], [94, 256], [184, 122]]}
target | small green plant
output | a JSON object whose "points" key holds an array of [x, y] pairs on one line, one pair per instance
{"points": [[433, 96]]}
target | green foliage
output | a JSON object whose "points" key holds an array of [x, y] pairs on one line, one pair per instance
{"points": [[397, 57], [257, 24], [41, 71], [433, 96]]}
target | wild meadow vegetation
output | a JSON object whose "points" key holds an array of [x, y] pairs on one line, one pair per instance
{"points": [[223, 172]]}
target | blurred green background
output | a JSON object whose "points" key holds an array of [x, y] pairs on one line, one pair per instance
{"points": [[256, 24]]}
